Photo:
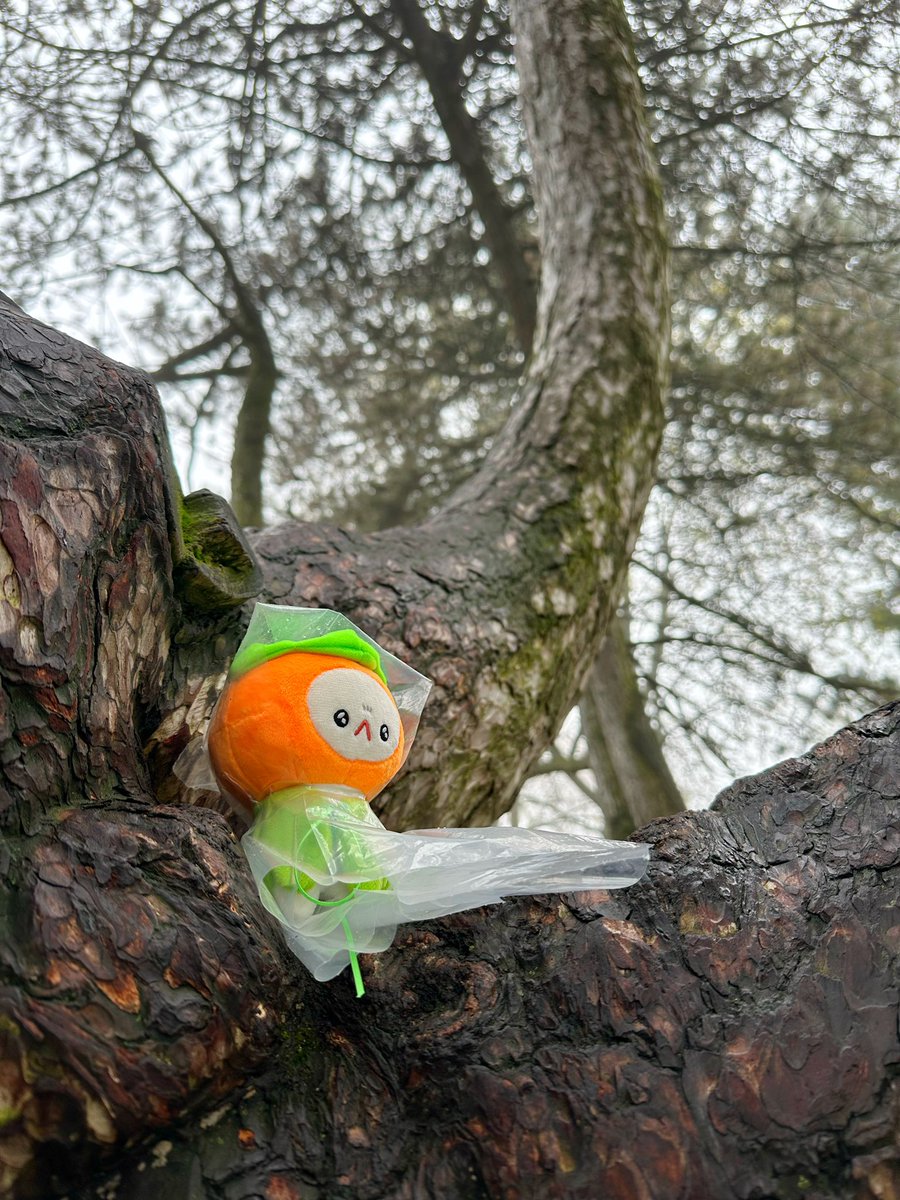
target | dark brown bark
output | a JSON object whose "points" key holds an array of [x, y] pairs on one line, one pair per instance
{"points": [[133, 954], [633, 782], [726, 1028]]}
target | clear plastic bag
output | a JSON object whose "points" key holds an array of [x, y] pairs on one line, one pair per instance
{"points": [[315, 718], [334, 849]]}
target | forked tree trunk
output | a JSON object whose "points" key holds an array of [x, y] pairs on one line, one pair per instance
{"points": [[731, 1019]]}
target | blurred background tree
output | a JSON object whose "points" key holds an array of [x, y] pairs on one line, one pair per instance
{"points": [[317, 233]]}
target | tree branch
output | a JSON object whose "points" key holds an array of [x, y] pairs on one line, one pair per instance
{"points": [[167, 371], [254, 417], [782, 652], [440, 58]]}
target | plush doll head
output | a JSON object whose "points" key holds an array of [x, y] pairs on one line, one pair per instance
{"points": [[313, 710]]}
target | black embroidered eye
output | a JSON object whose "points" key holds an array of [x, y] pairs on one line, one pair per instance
{"points": [[384, 733], [342, 718]]}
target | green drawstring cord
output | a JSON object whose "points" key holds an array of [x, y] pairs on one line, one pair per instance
{"points": [[297, 877], [354, 961], [345, 925]]}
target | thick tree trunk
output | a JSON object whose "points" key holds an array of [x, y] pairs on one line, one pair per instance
{"points": [[634, 783], [726, 1028], [502, 596]]}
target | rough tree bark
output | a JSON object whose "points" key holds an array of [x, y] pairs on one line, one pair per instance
{"points": [[726, 1028], [140, 979], [503, 595], [732, 1018]]}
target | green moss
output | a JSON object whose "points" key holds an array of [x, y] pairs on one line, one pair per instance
{"points": [[215, 567], [300, 1042], [191, 531]]}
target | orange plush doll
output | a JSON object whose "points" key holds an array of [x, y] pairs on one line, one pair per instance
{"points": [[314, 720], [306, 713]]}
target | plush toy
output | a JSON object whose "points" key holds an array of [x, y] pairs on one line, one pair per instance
{"points": [[315, 711], [314, 720]]}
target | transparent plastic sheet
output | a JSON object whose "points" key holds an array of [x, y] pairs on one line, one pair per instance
{"points": [[337, 843], [337, 881], [193, 768]]}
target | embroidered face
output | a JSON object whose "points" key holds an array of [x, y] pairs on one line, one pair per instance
{"points": [[304, 718], [354, 714]]}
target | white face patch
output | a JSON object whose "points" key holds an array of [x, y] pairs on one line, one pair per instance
{"points": [[355, 716]]}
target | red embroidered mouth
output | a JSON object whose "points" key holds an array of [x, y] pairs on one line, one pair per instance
{"points": [[363, 725]]}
